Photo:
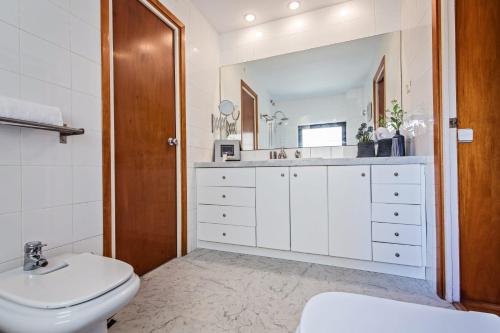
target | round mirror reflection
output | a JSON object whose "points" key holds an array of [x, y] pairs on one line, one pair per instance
{"points": [[226, 107]]}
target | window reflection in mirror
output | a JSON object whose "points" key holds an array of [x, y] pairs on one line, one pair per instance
{"points": [[317, 97]]}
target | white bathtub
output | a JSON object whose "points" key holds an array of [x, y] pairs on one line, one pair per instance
{"points": [[352, 313]]}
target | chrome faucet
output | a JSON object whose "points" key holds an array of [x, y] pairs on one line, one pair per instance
{"points": [[33, 257]]}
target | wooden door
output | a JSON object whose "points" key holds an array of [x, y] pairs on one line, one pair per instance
{"points": [[379, 93], [478, 93], [249, 118], [349, 206], [273, 208], [144, 119], [309, 209]]}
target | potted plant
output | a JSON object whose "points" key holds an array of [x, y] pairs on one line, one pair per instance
{"points": [[366, 145], [397, 118]]}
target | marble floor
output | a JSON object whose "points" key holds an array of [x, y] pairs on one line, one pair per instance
{"points": [[210, 291]]}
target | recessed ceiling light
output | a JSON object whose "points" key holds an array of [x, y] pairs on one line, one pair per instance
{"points": [[344, 12], [249, 17], [294, 5]]}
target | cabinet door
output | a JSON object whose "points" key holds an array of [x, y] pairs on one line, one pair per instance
{"points": [[273, 208], [309, 209], [349, 205]]}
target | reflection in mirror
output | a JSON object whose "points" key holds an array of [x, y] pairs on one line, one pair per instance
{"points": [[317, 97]]}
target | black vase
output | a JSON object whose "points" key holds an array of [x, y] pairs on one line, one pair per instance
{"points": [[366, 149], [401, 143]]}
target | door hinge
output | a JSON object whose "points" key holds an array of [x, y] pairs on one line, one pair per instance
{"points": [[453, 122]]}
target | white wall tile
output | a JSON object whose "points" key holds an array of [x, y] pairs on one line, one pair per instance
{"points": [[86, 111], [92, 245], [321, 152], [85, 40], [10, 189], [45, 61], [10, 147], [87, 10], [52, 226], [87, 184], [87, 148], [46, 186], [64, 4], [10, 237], [9, 84], [42, 148], [388, 15], [45, 20], [9, 47], [42, 92], [10, 11], [87, 220], [85, 76]]}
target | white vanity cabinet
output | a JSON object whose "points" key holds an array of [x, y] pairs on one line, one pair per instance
{"points": [[273, 207], [309, 209], [349, 205]]}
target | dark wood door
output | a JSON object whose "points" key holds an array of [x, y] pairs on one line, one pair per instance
{"points": [[249, 118], [144, 119], [478, 96]]}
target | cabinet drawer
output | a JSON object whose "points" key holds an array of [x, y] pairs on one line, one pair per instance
{"points": [[397, 233], [393, 193], [230, 196], [229, 234], [396, 174], [397, 254], [394, 213], [227, 215], [241, 177]]}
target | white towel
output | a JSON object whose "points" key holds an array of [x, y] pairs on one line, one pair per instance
{"points": [[17, 109]]}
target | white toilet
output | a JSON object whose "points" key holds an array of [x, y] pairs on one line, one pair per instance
{"points": [[74, 293], [353, 313]]}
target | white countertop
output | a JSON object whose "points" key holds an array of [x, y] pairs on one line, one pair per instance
{"points": [[315, 162]]}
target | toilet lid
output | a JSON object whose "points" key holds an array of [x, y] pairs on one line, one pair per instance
{"points": [[85, 277]]}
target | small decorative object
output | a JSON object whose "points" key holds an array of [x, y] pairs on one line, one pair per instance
{"points": [[397, 117], [384, 139], [366, 145]]}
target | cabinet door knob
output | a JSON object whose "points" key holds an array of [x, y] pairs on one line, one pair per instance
{"points": [[224, 215], [396, 234], [282, 175], [396, 214], [396, 194], [295, 175], [397, 255], [363, 174], [396, 174], [223, 177], [223, 196], [224, 234]]}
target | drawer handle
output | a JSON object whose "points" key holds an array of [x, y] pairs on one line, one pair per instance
{"points": [[224, 215], [396, 174], [223, 177], [363, 174], [282, 175], [396, 194], [224, 234], [295, 175], [396, 214], [223, 196], [396, 234], [397, 255]]}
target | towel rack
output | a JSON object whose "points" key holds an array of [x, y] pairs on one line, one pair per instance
{"points": [[64, 131]]}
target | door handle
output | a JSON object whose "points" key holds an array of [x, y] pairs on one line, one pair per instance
{"points": [[465, 135], [172, 141]]}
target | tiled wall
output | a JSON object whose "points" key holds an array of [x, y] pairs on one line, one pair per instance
{"points": [[202, 94], [416, 18], [50, 54], [346, 21]]}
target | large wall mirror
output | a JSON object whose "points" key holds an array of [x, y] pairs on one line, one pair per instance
{"points": [[314, 98]]}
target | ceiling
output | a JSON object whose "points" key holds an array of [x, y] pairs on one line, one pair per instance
{"points": [[322, 71], [227, 15]]}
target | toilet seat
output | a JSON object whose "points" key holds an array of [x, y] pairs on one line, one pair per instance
{"points": [[79, 306], [345, 312]]}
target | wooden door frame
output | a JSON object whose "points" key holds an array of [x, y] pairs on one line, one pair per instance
{"points": [[106, 121], [245, 86], [376, 78], [438, 146]]}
